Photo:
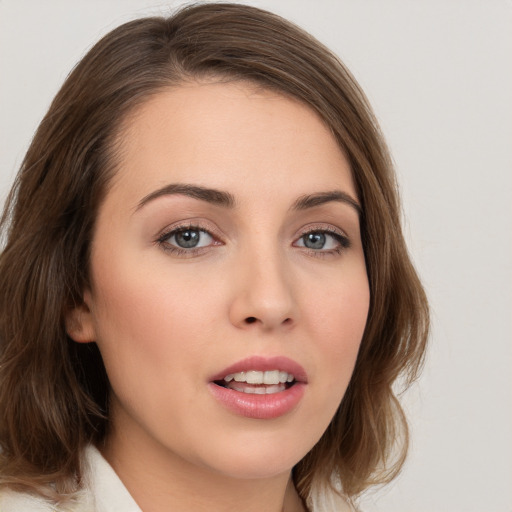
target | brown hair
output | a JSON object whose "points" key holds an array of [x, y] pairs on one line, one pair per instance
{"points": [[54, 392]]}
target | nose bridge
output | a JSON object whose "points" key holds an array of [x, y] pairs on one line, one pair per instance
{"points": [[264, 294]]}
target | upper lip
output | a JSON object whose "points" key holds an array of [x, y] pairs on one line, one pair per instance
{"points": [[259, 363]]}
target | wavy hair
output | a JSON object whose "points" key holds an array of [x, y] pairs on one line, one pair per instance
{"points": [[54, 392]]}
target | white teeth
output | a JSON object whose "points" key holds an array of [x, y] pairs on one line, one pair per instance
{"points": [[256, 377], [253, 377], [271, 377], [283, 376], [253, 390], [274, 389]]}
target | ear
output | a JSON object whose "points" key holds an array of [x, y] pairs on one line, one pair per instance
{"points": [[79, 322]]}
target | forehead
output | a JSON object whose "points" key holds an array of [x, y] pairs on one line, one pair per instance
{"points": [[234, 136]]}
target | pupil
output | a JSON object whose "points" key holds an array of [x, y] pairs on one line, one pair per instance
{"points": [[314, 240], [187, 238]]}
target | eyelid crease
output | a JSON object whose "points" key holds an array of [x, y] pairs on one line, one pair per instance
{"points": [[322, 228], [190, 224]]}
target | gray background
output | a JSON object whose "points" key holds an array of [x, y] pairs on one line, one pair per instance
{"points": [[438, 74]]}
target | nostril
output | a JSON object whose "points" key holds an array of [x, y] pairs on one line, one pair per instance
{"points": [[250, 319]]}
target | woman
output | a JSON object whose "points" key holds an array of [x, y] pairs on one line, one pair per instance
{"points": [[205, 293]]}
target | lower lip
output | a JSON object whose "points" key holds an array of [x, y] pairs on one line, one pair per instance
{"points": [[261, 407]]}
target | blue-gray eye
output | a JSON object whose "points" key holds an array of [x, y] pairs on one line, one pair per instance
{"points": [[314, 240], [190, 238], [322, 241]]}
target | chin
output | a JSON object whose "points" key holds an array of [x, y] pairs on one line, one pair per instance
{"points": [[252, 468], [260, 456]]}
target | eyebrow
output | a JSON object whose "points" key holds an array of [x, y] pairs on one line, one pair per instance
{"points": [[210, 195], [311, 200], [227, 200]]}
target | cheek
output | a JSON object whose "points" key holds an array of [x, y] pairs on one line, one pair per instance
{"points": [[146, 322], [338, 316], [339, 305], [153, 340]]}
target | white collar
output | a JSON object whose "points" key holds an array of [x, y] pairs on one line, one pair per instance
{"points": [[106, 489]]}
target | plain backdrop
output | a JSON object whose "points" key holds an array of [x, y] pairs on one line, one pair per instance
{"points": [[439, 75]]}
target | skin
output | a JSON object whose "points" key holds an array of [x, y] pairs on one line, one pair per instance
{"points": [[167, 321]]}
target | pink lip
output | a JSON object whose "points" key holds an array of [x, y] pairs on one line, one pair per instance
{"points": [[261, 406]]}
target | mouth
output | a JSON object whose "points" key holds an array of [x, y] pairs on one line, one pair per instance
{"points": [[259, 387], [258, 382]]}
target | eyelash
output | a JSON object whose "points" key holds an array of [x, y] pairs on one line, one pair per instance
{"points": [[162, 240], [342, 240]]}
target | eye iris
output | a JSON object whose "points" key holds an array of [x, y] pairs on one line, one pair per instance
{"points": [[314, 240], [187, 238]]}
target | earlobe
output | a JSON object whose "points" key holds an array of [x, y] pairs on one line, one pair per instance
{"points": [[79, 323]]}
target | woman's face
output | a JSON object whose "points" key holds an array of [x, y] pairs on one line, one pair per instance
{"points": [[226, 259]]}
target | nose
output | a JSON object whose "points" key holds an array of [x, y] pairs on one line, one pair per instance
{"points": [[263, 293]]}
